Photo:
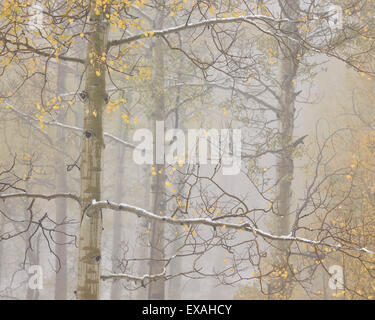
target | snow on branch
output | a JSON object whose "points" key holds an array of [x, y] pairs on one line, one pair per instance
{"points": [[215, 224], [204, 23], [141, 279], [40, 196]]}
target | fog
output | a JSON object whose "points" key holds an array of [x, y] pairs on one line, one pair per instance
{"points": [[187, 150]]}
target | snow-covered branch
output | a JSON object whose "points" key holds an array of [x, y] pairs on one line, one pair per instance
{"points": [[141, 279], [194, 25], [40, 196], [215, 224]]}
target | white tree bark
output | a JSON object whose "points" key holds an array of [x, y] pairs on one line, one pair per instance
{"points": [[89, 256], [280, 287], [157, 288], [61, 284]]}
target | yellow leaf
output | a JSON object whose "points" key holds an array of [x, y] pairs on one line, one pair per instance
{"points": [[212, 10]]}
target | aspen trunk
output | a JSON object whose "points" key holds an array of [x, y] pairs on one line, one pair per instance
{"points": [[61, 205], [33, 259], [117, 221], [157, 288], [142, 238], [89, 256], [142, 242], [175, 284], [281, 286]]}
